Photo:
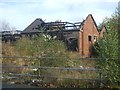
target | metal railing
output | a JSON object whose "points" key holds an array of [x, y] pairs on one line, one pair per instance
{"points": [[40, 71]]}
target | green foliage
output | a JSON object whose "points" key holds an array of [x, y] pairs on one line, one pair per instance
{"points": [[43, 47], [52, 52], [107, 50], [95, 49], [24, 47]]}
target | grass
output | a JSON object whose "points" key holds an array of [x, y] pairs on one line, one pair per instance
{"points": [[73, 61]]}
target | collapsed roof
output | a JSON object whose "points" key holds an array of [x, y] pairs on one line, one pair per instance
{"points": [[40, 26]]}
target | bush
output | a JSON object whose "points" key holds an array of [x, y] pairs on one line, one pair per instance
{"points": [[45, 51], [107, 51]]}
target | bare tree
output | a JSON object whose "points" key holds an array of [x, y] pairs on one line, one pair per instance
{"points": [[5, 26]]}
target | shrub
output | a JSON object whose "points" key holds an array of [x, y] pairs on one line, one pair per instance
{"points": [[107, 51]]}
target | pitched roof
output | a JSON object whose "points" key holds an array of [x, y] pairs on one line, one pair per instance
{"points": [[93, 20], [32, 27], [38, 23]]}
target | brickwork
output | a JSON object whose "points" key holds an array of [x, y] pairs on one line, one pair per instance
{"points": [[102, 31], [87, 36]]}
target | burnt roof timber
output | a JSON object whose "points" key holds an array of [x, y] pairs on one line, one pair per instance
{"points": [[61, 23], [64, 30]]}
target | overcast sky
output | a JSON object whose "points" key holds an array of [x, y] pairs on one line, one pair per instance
{"points": [[20, 13]]}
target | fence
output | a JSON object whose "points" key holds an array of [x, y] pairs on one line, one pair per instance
{"points": [[15, 71]]}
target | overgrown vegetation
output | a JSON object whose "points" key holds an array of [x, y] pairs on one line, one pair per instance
{"points": [[107, 49], [44, 51]]}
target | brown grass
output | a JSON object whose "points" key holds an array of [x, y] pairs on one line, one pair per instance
{"points": [[74, 61]]}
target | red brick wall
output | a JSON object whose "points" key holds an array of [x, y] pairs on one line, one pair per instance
{"points": [[89, 28], [102, 32], [80, 42]]}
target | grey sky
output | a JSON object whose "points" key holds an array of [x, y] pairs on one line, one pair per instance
{"points": [[20, 13]]}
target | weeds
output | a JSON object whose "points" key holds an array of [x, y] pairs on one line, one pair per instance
{"points": [[46, 53]]}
